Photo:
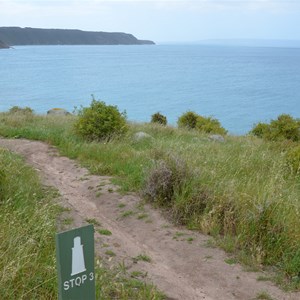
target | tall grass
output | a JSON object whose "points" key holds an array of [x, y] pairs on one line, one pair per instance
{"points": [[240, 191], [27, 228]]}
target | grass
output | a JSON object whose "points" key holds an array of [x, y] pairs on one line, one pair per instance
{"points": [[230, 261], [137, 274], [27, 231], [28, 217], [239, 191]]}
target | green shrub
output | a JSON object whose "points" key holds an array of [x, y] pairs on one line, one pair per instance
{"points": [[191, 120], [284, 127], [188, 120], [100, 121], [261, 130], [159, 118], [18, 109], [293, 159], [209, 125]]}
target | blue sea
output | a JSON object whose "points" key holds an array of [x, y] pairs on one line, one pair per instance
{"points": [[240, 86]]}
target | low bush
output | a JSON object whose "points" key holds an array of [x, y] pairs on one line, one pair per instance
{"points": [[191, 120], [159, 118], [188, 120], [100, 121], [209, 125], [22, 110], [284, 127]]}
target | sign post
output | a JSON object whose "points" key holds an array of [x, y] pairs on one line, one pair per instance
{"points": [[75, 264]]}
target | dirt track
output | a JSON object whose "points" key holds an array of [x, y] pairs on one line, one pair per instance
{"points": [[182, 264]]}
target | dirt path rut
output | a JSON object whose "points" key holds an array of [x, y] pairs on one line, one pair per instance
{"points": [[182, 264]]}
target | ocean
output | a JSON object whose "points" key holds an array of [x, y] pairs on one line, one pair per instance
{"points": [[239, 86]]}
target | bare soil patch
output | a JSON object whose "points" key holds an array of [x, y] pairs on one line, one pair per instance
{"points": [[178, 261]]}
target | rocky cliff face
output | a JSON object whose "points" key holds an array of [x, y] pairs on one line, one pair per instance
{"points": [[3, 45], [36, 36]]}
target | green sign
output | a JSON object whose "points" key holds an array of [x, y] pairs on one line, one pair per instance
{"points": [[75, 264]]}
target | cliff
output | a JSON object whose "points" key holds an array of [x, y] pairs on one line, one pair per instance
{"points": [[37, 36]]}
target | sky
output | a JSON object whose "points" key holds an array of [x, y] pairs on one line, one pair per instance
{"points": [[162, 21]]}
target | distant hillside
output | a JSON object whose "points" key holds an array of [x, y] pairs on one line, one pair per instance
{"points": [[3, 45], [36, 36]]}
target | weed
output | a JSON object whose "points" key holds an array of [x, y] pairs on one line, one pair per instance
{"points": [[104, 231], [263, 296], [263, 278], [93, 222], [142, 216], [67, 221], [208, 256], [142, 257], [110, 253], [230, 261], [127, 213], [121, 205], [137, 274]]}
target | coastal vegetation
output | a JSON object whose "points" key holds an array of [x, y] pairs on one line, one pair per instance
{"points": [[285, 127], [100, 121], [159, 118], [192, 120], [244, 191]]}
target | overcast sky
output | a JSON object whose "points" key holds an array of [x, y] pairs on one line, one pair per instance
{"points": [[162, 20]]}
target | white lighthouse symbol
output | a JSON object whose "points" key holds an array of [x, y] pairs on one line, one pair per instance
{"points": [[78, 264]]}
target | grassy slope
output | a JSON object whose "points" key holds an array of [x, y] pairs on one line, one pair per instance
{"points": [[253, 202]]}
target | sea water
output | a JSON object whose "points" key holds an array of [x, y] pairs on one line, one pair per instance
{"points": [[240, 86]]}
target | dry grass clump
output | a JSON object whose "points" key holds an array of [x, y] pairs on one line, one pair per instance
{"points": [[166, 178]]}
